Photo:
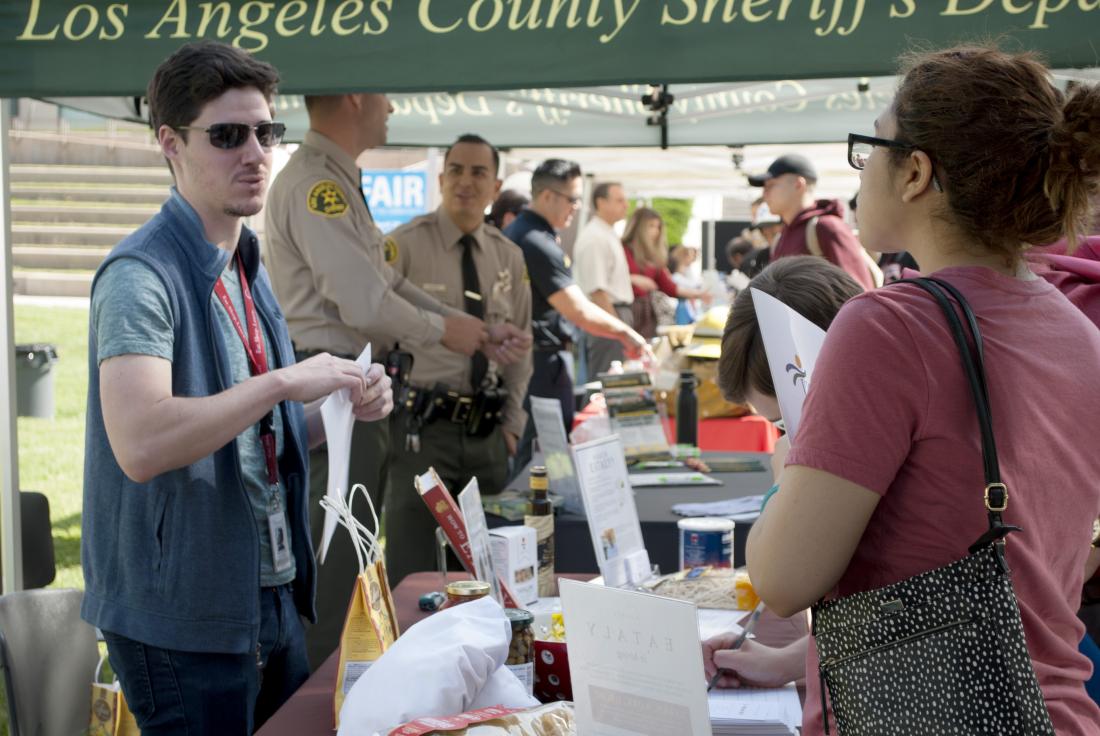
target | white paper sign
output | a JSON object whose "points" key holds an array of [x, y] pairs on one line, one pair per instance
{"points": [[635, 662], [550, 428], [611, 511], [792, 343], [339, 420], [477, 530]]}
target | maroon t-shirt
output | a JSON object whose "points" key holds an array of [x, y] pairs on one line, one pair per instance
{"points": [[890, 409]]}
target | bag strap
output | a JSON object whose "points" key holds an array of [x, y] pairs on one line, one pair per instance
{"points": [[973, 360], [812, 243]]}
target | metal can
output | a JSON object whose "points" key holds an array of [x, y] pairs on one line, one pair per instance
{"points": [[464, 591], [521, 650], [705, 541]]}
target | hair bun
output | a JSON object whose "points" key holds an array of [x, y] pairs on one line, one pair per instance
{"points": [[1074, 174]]}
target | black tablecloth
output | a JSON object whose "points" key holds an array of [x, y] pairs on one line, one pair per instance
{"points": [[573, 542]]}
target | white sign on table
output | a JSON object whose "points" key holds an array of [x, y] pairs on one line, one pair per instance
{"points": [[550, 429], [635, 662], [477, 530], [611, 511]]}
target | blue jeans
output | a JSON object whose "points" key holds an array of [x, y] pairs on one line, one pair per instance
{"points": [[174, 692]]}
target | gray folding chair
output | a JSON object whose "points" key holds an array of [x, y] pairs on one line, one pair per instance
{"points": [[48, 655]]}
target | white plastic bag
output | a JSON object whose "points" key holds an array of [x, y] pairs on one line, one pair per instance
{"points": [[439, 667]]}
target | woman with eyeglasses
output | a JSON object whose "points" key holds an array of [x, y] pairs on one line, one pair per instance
{"points": [[979, 157], [646, 248]]}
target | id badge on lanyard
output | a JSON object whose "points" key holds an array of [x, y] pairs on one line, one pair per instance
{"points": [[257, 365]]}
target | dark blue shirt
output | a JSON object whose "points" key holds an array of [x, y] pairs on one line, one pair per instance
{"points": [[547, 270]]}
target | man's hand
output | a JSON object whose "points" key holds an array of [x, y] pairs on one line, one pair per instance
{"points": [[635, 345], [511, 442], [377, 400], [463, 333], [319, 376], [507, 343]]}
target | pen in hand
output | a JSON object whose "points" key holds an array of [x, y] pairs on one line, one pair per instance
{"points": [[749, 626]]}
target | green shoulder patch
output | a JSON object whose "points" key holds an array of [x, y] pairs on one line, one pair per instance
{"points": [[327, 199]]}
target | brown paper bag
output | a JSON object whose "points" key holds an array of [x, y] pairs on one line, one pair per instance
{"points": [[370, 627], [110, 716]]}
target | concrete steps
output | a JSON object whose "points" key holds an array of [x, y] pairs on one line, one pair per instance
{"points": [[24, 233], [67, 216], [92, 213], [52, 283], [65, 257], [122, 194], [65, 174]]}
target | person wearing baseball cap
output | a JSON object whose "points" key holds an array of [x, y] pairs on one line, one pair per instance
{"points": [[812, 226]]}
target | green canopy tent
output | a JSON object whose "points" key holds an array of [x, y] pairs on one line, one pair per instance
{"points": [[107, 48]]}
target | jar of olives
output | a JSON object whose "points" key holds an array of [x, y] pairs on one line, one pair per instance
{"points": [[521, 652]]}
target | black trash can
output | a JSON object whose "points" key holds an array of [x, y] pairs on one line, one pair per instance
{"points": [[34, 379]]}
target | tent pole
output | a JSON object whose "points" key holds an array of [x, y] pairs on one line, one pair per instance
{"points": [[11, 536]]}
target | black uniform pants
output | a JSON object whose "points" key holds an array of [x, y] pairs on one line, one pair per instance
{"points": [[457, 457]]}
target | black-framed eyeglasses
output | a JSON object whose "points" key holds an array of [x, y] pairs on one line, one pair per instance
{"points": [[572, 200], [228, 136], [860, 147]]}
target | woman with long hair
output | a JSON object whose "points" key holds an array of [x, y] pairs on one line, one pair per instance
{"points": [[979, 157], [646, 248]]}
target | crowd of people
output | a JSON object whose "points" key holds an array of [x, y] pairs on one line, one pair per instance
{"points": [[205, 454]]}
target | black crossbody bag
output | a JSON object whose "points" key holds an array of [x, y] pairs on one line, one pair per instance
{"points": [[942, 652]]}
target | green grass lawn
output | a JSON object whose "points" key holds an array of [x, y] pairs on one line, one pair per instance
{"points": [[51, 452]]}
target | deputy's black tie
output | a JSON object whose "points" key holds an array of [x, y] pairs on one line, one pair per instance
{"points": [[479, 364]]}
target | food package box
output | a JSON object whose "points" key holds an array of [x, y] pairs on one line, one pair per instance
{"points": [[515, 559]]}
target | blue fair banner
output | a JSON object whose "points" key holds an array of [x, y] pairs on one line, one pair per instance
{"points": [[394, 196]]}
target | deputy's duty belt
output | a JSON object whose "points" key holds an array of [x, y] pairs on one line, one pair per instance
{"points": [[479, 414]]}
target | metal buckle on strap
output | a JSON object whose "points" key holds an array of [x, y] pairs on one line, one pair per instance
{"points": [[993, 505], [461, 411]]}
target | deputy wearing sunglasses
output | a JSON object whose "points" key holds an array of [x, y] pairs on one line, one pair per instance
{"points": [[331, 269], [197, 557]]}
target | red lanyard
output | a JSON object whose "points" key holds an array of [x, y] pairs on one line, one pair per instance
{"points": [[257, 358]]}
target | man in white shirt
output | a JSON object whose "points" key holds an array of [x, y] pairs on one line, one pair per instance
{"points": [[602, 273]]}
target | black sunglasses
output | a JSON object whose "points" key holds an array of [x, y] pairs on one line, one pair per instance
{"points": [[228, 136], [860, 147]]}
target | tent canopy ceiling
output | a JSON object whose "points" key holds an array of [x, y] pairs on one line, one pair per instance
{"points": [[98, 48], [782, 111]]}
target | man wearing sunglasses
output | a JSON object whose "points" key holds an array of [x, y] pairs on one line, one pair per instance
{"points": [[197, 558], [558, 305], [812, 226]]}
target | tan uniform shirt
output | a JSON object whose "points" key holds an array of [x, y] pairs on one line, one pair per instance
{"points": [[427, 252], [325, 256]]}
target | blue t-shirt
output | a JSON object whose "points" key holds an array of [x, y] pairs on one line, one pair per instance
{"points": [[133, 316]]}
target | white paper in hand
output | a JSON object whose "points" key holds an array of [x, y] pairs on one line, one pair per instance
{"points": [[792, 343], [339, 419]]}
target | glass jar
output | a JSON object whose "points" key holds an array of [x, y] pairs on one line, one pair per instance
{"points": [[464, 591], [521, 651]]}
